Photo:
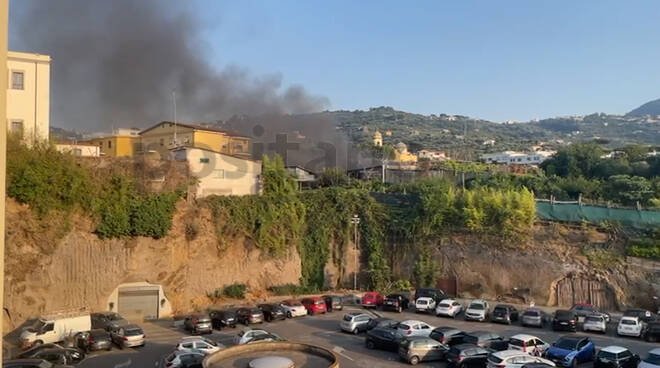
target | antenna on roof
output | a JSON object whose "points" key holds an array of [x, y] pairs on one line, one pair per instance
{"points": [[174, 101]]}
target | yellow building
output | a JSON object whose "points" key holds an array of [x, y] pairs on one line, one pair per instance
{"points": [[120, 143], [162, 135], [401, 153], [28, 95], [378, 139]]}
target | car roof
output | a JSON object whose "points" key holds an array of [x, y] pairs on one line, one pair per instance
{"points": [[533, 309], [131, 326], [465, 346], [524, 337], [572, 338], [503, 306], [448, 300], [614, 349], [353, 314], [596, 315], [425, 298], [412, 322], [412, 338], [655, 351], [446, 329], [193, 338], [508, 353], [478, 301], [481, 333], [630, 318]]}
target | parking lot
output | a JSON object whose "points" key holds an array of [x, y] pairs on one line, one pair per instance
{"points": [[324, 330]]}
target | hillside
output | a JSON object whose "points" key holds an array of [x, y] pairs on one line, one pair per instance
{"points": [[650, 108]]}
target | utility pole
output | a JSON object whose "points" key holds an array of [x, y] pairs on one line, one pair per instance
{"points": [[355, 220], [4, 21], [174, 102]]}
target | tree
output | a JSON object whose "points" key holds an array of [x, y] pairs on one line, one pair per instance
{"points": [[276, 179], [333, 177], [635, 152], [628, 190], [578, 159]]}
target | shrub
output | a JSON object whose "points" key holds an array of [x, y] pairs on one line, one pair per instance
{"points": [[235, 290], [645, 247], [603, 258], [291, 289]]}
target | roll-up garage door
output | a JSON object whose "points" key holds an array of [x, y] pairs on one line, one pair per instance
{"points": [[135, 305]]}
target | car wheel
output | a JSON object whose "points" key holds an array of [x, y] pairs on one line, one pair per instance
{"points": [[399, 309], [37, 343], [370, 344], [355, 331], [414, 360], [288, 315], [108, 348], [574, 364]]}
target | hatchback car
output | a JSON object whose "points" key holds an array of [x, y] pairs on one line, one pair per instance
{"points": [[595, 322], [64, 356], [198, 324], [564, 320], [419, 349], [314, 305], [248, 334], [528, 344], [381, 323], [99, 339], [332, 302], [354, 322], [514, 359], [643, 314], [467, 356], [223, 318], [448, 308], [396, 302], [477, 310], [272, 312], [615, 357], [269, 337], [128, 336], [425, 304], [532, 317], [482, 338], [371, 299], [436, 294], [414, 328], [383, 338], [31, 363], [200, 344], [630, 326], [652, 359], [652, 332], [293, 308], [181, 359], [107, 320], [583, 310], [447, 335], [504, 313], [249, 315], [569, 351]]}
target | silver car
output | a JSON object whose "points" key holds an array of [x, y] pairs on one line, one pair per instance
{"points": [[128, 336], [595, 322], [354, 322], [532, 317]]}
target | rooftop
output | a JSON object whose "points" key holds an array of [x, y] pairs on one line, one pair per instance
{"points": [[614, 349]]}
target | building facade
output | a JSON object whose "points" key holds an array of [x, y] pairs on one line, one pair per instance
{"points": [[401, 153], [28, 96], [518, 158], [167, 135], [119, 143], [432, 155], [79, 149]]}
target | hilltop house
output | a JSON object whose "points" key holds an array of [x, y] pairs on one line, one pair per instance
{"points": [[401, 153], [120, 143], [518, 158], [432, 155]]}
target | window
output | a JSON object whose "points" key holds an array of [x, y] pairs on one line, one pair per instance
{"points": [[17, 80], [204, 160], [101, 144], [17, 127], [187, 345], [77, 152], [162, 142], [109, 144]]}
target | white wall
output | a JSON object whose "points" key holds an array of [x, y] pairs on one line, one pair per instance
{"points": [[164, 308], [85, 149]]}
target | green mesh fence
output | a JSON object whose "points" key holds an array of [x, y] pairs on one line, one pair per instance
{"points": [[573, 212]]}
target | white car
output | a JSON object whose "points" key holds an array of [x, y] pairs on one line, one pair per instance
{"points": [[652, 359], [449, 308], [424, 304], [201, 344], [514, 359], [595, 322], [248, 334], [414, 328], [630, 326], [528, 344], [177, 357], [478, 310], [293, 308]]}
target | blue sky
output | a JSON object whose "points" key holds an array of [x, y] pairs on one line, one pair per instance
{"points": [[496, 60]]}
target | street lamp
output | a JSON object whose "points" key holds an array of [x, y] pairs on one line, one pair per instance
{"points": [[355, 220]]}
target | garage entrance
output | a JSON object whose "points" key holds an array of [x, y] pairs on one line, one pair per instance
{"points": [[138, 303]]}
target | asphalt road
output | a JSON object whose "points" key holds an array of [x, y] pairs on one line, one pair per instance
{"points": [[324, 330]]}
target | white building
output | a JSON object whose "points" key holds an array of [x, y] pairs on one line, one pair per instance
{"points": [[79, 149], [28, 95], [519, 158], [432, 155]]}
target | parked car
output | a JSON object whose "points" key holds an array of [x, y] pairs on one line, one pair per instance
{"points": [[467, 356], [293, 308], [537, 365], [630, 326], [424, 304], [248, 334], [107, 320], [381, 323], [447, 335], [223, 318], [504, 313], [181, 359], [448, 308], [582, 310], [643, 314], [332, 302], [564, 320], [314, 305], [569, 351], [615, 357], [33, 350], [272, 312], [383, 338], [200, 344], [128, 336], [652, 359], [265, 338], [532, 317], [249, 315], [54, 328], [482, 338], [436, 294], [652, 332], [417, 349], [57, 355], [99, 339], [371, 299], [354, 322], [31, 363], [396, 302], [528, 344], [198, 324], [595, 322], [414, 328], [514, 359], [477, 310]]}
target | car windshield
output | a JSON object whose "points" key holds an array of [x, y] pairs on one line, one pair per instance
{"points": [[477, 306], [422, 302], [255, 311], [134, 332], [470, 339], [606, 355], [210, 342], [348, 318], [494, 358], [403, 326], [368, 296], [203, 320], [652, 359], [499, 310], [319, 302], [593, 319], [566, 344], [628, 322], [98, 334], [516, 342], [444, 305]]}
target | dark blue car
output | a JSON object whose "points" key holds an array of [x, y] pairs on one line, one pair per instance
{"points": [[569, 351]]}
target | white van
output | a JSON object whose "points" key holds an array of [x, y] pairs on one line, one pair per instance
{"points": [[55, 328]]}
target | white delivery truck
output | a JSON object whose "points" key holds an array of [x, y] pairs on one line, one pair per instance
{"points": [[55, 327]]}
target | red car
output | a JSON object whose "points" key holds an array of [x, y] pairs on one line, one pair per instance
{"points": [[372, 299], [314, 305]]}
